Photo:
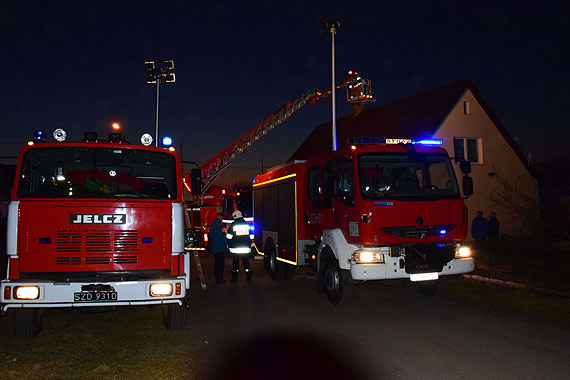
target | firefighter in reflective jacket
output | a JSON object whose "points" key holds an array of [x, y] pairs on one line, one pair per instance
{"points": [[239, 242]]}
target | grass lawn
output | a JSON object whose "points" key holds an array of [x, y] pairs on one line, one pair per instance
{"points": [[520, 301], [97, 346]]}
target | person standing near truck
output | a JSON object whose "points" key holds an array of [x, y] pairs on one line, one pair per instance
{"points": [[493, 225], [219, 248], [239, 242], [479, 227]]}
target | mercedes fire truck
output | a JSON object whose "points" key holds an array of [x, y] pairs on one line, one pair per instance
{"points": [[378, 209], [95, 224]]}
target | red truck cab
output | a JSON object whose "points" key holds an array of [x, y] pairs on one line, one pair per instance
{"points": [[95, 224]]}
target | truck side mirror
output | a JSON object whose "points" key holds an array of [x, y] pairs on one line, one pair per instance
{"points": [[196, 181], [467, 186], [465, 166]]}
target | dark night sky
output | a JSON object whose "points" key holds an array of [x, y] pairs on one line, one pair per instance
{"points": [[80, 65]]}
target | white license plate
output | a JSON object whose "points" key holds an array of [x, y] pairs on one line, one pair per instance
{"points": [[94, 296], [423, 276]]}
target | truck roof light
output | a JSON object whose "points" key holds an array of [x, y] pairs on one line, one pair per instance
{"points": [[39, 136], [374, 140], [115, 137], [428, 142], [146, 139], [90, 136], [166, 141], [59, 135]]}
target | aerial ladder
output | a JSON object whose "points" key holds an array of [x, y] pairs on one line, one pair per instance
{"points": [[358, 91]]}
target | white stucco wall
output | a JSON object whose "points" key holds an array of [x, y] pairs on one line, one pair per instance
{"points": [[497, 157]]}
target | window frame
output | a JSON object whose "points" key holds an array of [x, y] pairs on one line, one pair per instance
{"points": [[465, 153]]}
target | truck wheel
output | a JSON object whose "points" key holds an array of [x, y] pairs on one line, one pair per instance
{"points": [[273, 263], [27, 322], [336, 283], [174, 316]]}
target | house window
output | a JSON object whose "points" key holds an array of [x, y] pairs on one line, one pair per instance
{"points": [[468, 149], [467, 108]]}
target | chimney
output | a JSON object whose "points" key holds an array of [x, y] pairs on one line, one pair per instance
{"points": [[357, 108]]}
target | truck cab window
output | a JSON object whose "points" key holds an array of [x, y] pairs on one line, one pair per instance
{"points": [[345, 179], [314, 190]]}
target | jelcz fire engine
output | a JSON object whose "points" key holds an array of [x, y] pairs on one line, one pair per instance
{"points": [[378, 209], [96, 224]]}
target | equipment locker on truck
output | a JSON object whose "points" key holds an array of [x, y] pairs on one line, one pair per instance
{"points": [[379, 209], [95, 224]]}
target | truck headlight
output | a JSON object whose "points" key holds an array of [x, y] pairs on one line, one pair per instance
{"points": [[462, 251], [160, 290], [366, 256], [27, 292]]}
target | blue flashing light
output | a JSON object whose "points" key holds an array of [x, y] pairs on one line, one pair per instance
{"points": [[442, 232], [252, 227], [373, 140], [428, 142], [166, 141], [45, 240], [39, 136], [147, 240]]}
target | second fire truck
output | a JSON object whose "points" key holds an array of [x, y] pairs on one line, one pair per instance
{"points": [[379, 209]]}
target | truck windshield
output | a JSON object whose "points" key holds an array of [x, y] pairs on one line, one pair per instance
{"points": [[79, 172], [414, 176]]}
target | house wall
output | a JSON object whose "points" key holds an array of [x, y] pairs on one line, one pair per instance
{"points": [[501, 181]]}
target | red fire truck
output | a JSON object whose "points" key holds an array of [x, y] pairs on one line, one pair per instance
{"points": [[96, 224], [379, 209]]}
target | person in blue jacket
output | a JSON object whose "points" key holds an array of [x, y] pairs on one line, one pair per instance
{"points": [[219, 248], [479, 227]]}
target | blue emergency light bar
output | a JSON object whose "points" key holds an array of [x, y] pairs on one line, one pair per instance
{"points": [[39, 136], [373, 140]]}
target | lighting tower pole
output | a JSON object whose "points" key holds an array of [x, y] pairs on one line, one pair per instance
{"points": [[156, 75], [327, 25]]}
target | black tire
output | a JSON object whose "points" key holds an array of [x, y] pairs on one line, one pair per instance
{"points": [[27, 322], [174, 316], [336, 282], [273, 264]]}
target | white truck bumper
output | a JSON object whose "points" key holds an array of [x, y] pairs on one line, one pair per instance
{"points": [[391, 269], [70, 294]]}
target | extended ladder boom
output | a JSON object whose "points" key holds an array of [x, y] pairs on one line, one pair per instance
{"points": [[214, 167]]}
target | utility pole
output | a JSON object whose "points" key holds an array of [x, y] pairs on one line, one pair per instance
{"points": [[156, 75], [331, 25]]}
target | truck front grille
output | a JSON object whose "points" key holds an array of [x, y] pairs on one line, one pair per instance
{"points": [[68, 241], [96, 241], [97, 260], [418, 233], [125, 240], [68, 260], [125, 259]]}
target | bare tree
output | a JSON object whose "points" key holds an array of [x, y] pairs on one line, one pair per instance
{"points": [[518, 202]]}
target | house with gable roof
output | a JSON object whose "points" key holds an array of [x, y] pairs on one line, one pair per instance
{"points": [[470, 130]]}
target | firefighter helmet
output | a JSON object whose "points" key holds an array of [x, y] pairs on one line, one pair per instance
{"points": [[236, 214]]}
